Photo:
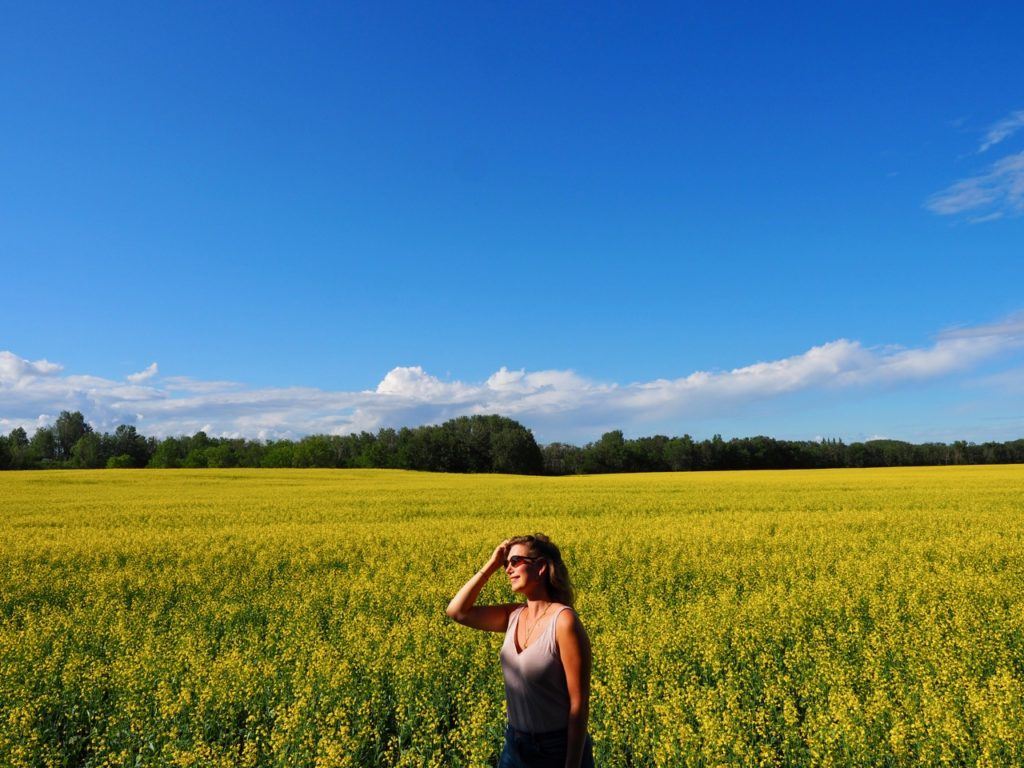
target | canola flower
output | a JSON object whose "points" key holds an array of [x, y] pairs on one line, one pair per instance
{"points": [[295, 618]]}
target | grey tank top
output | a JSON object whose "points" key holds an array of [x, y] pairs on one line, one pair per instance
{"points": [[536, 694]]}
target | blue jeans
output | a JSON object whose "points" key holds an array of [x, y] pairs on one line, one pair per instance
{"points": [[540, 750]]}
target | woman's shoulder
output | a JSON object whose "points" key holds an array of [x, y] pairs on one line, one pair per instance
{"points": [[566, 617], [569, 631]]}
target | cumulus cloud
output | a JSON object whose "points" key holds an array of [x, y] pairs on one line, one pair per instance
{"points": [[14, 369], [997, 192], [414, 383], [555, 403]]}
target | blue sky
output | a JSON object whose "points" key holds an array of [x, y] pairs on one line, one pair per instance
{"points": [[324, 217]]}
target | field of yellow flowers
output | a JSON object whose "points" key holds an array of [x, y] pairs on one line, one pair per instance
{"points": [[296, 618]]}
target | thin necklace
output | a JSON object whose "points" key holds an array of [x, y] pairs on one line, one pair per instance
{"points": [[526, 640]]}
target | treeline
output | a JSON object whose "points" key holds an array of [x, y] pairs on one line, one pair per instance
{"points": [[472, 444], [465, 444], [614, 453]]}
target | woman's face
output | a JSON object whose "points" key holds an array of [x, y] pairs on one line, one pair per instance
{"points": [[523, 573]]}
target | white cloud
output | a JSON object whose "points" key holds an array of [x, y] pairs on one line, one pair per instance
{"points": [[187, 384], [16, 369], [415, 383], [556, 403], [148, 373], [1010, 326], [997, 192], [1003, 129]]}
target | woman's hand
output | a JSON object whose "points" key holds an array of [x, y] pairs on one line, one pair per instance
{"points": [[463, 608], [498, 558]]}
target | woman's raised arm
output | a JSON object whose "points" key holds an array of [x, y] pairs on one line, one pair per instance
{"points": [[462, 608]]}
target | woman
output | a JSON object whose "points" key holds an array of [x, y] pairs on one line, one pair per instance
{"points": [[545, 658]]}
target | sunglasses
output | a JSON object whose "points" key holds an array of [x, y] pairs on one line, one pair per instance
{"points": [[517, 560]]}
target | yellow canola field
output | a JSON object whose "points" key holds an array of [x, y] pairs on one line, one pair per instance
{"points": [[295, 618]]}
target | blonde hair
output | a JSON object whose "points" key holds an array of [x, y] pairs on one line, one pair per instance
{"points": [[560, 587]]}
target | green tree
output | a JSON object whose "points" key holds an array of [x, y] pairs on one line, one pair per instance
{"points": [[562, 459], [42, 448], [168, 454], [18, 438], [249, 453], [69, 429], [514, 450], [87, 452], [196, 459], [314, 451], [127, 441], [606, 455], [384, 451], [679, 453], [222, 455], [647, 454], [200, 440], [17, 447], [278, 454]]}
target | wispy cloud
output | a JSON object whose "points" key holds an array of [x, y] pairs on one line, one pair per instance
{"points": [[556, 403], [997, 192], [1009, 382], [148, 373], [1002, 130]]}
